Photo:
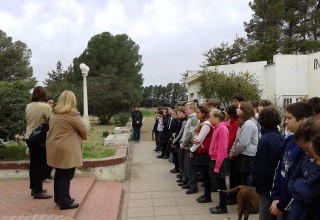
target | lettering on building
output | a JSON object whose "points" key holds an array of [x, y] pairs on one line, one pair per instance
{"points": [[316, 64]]}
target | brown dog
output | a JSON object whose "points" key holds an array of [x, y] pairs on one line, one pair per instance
{"points": [[247, 199]]}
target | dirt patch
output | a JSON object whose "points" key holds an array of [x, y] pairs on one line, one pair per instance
{"points": [[146, 129]]}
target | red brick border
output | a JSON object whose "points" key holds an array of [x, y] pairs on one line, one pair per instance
{"points": [[118, 158]]}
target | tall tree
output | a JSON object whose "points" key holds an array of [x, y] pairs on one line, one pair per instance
{"points": [[226, 54], [276, 27], [14, 97], [59, 80], [14, 59], [179, 92], [115, 64], [16, 81], [301, 32], [158, 95], [264, 29]]}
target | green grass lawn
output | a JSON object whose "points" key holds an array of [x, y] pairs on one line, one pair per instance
{"points": [[148, 112], [14, 151], [92, 148]]}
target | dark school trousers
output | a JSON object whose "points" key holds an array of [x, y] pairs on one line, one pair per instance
{"points": [[204, 171], [221, 182], [191, 170]]}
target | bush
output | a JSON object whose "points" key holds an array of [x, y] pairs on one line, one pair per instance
{"points": [[105, 134], [13, 151], [121, 118]]}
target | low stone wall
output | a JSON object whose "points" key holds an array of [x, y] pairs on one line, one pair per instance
{"points": [[110, 168], [121, 136]]}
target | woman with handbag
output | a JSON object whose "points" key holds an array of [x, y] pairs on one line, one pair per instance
{"points": [[37, 113], [64, 147]]}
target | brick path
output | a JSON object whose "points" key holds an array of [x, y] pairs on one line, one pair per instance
{"points": [[101, 196]]}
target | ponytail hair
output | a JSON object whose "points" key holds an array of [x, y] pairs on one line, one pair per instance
{"points": [[218, 113]]}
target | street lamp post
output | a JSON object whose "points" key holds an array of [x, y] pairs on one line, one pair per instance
{"points": [[84, 70]]}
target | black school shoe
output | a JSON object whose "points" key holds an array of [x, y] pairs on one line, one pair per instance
{"points": [[73, 205], [182, 183], [218, 210], [191, 191], [174, 171], [203, 200], [185, 186]]}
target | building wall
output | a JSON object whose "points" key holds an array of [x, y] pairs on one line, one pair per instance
{"points": [[314, 75], [193, 92], [269, 91], [291, 75], [287, 79]]}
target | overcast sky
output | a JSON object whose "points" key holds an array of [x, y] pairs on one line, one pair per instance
{"points": [[172, 34]]}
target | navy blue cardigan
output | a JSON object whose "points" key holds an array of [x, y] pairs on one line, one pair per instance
{"points": [[266, 160]]}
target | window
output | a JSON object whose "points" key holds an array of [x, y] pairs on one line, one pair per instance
{"points": [[287, 101], [191, 96]]}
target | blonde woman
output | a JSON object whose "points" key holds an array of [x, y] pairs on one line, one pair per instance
{"points": [[64, 150]]}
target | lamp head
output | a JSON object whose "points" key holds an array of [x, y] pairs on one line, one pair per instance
{"points": [[83, 67]]}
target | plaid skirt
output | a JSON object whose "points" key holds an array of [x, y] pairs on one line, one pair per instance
{"points": [[202, 159], [224, 169], [244, 163]]}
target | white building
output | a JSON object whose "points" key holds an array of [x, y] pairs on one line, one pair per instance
{"points": [[288, 78]]}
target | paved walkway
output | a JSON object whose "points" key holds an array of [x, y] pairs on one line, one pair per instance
{"points": [[151, 191]]}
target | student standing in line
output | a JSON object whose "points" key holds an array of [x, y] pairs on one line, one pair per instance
{"points": [[213, 103], [232, 118], [164, 134], [155, 132], [255, 106], [245, 146], [174, 128], [296, 113], [315, 103], [218, 151], [200, 150], [237, 98], [305, 202], [264, 103], [266, 159], [234, 179], [186, 144], [182, 179]]}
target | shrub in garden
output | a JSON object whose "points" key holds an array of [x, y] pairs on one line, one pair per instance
{"points": [[121, 118], [105, 134]]}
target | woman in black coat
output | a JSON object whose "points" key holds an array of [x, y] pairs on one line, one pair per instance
{"points": [[136, 117]]}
